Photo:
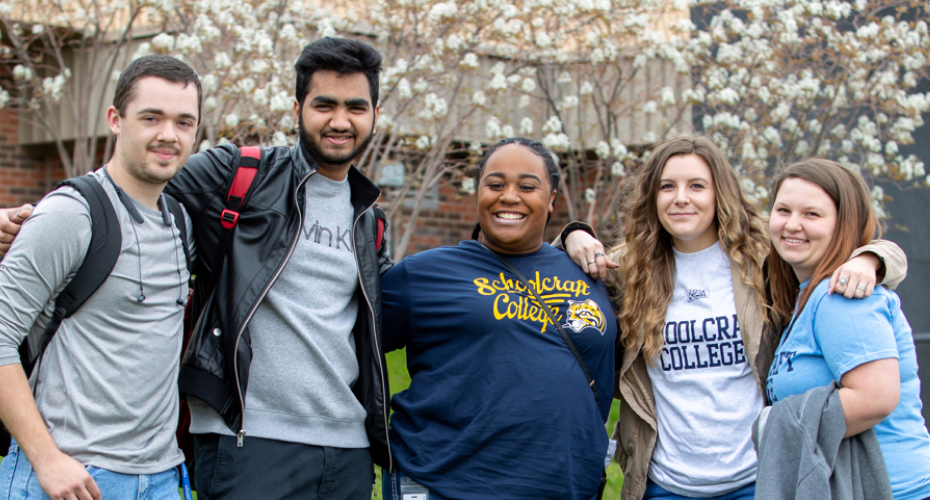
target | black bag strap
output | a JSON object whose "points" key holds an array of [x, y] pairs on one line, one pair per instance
{"points": [[542, 305], [105, 243], [178, 213]]}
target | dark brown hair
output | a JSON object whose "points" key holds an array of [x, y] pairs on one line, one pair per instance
{"points": [[164, 67]]}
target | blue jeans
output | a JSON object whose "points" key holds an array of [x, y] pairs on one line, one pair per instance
{"points": [[18, 482], [653, 490]]}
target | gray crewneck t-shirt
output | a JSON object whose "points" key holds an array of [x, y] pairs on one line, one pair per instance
{"points": [[303, 350], [107, 384]]}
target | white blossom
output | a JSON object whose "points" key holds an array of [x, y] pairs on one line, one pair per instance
{"points": [[528, 85], [478, 98], [553, 125], [493, 128], [507, 131], [526, 126], [570, 101], [279, 139], [470, 60], [422, 143], [602, 149], [558, 142], [163, 42], [524, 101], [232, 119]]}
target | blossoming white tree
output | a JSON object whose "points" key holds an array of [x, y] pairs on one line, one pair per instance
{"points": [[597, 81]]}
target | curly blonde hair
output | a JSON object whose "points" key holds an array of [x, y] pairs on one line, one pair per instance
{"points": [[643, 286]]}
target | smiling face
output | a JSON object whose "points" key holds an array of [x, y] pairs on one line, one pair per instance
{"points": [[802, 224], [157, 130], [687, 203], [337, 120], [514, 201]]}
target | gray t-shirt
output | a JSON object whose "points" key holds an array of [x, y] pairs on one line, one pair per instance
{"points": [[303, 350], [107, 384]]}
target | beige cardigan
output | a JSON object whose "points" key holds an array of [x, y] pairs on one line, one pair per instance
{"points": [[636, 430]]}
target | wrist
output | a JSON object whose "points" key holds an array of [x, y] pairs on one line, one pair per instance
{"points": [[576, 226]]}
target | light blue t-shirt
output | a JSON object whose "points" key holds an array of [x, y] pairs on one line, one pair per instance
{"points": [[833, 335]]}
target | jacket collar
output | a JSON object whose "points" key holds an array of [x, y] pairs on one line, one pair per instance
{"points": [[364, 191]]}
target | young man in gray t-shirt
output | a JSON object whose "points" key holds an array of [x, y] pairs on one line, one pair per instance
{"points": [[97, 417]]}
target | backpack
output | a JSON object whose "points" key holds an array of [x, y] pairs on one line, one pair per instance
{"points": [[105, 243]]}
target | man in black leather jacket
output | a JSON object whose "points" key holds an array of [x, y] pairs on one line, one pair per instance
{"points": [[295, 303]]}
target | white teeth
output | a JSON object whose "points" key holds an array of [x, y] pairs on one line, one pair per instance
{"points": [[510, 216], [792, 240]]}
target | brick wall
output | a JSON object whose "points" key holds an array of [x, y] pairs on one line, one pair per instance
{"points": [[25, 174], [454, 219]]}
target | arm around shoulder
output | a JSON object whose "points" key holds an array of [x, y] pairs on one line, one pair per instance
{"points": [[893, 259], [204, 176]]}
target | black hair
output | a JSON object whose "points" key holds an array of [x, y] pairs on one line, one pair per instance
{"points": [[165, 67], [552, 168], [342, 55]]}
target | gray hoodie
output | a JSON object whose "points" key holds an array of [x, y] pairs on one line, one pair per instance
{"points": [[802, 453]]}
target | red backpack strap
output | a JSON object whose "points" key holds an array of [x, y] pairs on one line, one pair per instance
{"points": [[249, 159], [379, 238]]}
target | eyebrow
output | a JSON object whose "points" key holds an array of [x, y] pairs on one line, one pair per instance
{"points": [[156, 111], [354, 101], [689, 180], [522, 176]]}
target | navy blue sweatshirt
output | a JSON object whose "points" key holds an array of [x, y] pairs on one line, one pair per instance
{"points": [[498, 407]]}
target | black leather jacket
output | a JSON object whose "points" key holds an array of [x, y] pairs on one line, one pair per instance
{"points": [[215, 366]]}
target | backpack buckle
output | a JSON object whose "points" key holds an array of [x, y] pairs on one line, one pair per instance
{"points": [[229, 218]]}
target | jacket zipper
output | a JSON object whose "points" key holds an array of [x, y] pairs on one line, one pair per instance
{"points": [[240, 436], [384, 396]]}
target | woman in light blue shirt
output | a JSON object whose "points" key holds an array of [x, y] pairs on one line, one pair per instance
{"points": [[821, 213]]}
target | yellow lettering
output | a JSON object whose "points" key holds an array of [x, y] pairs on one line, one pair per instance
{"points": [[547, 284], [483, 287], [502, 298], [582, 288]]}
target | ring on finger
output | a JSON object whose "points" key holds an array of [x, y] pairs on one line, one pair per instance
{"points": [[843, 281], [599, 254], [590, 262], [861, 286]]}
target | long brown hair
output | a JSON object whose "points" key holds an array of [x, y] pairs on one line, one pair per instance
{"points": [[643, 287], [856, 225]]}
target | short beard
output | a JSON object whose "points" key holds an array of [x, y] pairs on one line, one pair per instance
{"points": [[314, 149]]}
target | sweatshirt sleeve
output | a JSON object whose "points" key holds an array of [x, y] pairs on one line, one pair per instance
{"points": [[395, 306], [892, 257], [50, 247]]}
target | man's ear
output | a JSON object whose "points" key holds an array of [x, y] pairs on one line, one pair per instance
{"points": [[296, 113], [552, 201], [113, 120], [377, 114]]}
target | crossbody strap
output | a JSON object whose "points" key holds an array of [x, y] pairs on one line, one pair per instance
{"points": [[542, 305]]}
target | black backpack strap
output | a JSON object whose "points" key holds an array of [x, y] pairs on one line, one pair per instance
{"points": [[178, 213], [105, 243]]}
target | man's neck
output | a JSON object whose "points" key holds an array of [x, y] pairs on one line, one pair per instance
{"points": [[143, 192]]}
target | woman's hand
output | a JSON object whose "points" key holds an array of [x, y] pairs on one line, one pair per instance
{"points": [[855, 278], [869, 394], [588, 253]]}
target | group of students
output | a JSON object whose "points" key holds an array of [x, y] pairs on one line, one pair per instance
{"points": [[515, 352]]}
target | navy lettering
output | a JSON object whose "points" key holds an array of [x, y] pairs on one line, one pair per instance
{"points": [[684, 336], [726, 353], [723, 324], [674, 329], [739, 352], [697, 354], [684, 352], [788, 357], [694, 337], [736, 333], [672, 352], [662, 360], [713, 352], [707, 338]]}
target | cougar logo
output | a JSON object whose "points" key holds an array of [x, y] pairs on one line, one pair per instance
{"points": [[584, 314]]}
